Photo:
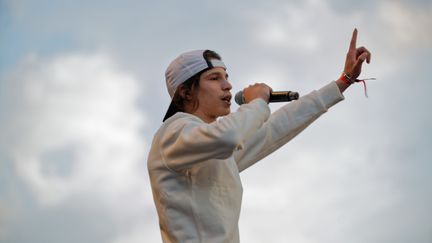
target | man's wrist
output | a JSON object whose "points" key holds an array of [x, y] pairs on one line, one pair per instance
{"points": [[347, 79], [342, 85]]}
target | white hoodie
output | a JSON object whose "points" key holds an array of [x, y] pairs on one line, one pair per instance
{"points": [[194, 166]]}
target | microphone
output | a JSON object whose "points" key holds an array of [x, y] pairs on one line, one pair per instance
{"points": [[275, 96]]}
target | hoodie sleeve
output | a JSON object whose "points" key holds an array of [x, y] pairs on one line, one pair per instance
{"points": [[286, 123], [187, 141]]}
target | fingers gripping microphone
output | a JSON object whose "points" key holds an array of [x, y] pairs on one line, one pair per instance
{"points": [[275, 96]]}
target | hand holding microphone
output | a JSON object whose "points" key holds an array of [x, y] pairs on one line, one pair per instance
{"points": [[258, 90], [261, 90]]}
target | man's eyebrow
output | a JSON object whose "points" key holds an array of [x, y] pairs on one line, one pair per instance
{"points": [[217, 73]]}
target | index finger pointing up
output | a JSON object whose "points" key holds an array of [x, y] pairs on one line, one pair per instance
{"points": [[353, 43]]}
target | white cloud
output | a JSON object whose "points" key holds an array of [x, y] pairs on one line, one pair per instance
{"points": [[298, 36], [76, 128], [408, 26], [289, 25], [138, 234], [309, 194]]}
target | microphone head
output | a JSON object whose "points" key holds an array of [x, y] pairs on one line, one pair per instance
{"points": [[293, 95], [239, 98]]}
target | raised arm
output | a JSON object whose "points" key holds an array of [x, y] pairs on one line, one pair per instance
{"points": [[290, 120]]}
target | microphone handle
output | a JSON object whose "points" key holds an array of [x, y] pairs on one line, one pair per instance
{"points": [[283, 96]]}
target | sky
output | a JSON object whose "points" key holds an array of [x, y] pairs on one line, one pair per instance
{"points": [[82, 92]]}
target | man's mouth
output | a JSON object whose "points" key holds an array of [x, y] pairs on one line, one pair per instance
{"points": [[227, 99]]}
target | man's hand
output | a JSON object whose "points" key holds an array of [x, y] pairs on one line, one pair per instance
{"points": [[258, 90], [355, 58], [353, 63]]}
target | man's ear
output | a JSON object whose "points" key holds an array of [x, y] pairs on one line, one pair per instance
{"points": [[185, 93]]}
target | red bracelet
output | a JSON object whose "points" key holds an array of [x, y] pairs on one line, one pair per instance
{"points": [[346, 79]]}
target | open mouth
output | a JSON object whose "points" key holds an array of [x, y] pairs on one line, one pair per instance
{"points": [[227, 99]]}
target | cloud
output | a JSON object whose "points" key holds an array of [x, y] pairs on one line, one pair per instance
{"points": [[313, 34], [407, 24], [72, 129], [310, 193], [75, 127], [289, 25], [137, 234]]}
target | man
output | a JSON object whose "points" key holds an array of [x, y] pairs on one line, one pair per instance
{"points": [[195, 158]]}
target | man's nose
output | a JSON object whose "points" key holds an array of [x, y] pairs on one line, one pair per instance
{"points": [[226, 85]]}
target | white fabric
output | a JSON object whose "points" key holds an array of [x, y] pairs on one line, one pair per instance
{"points": [[194, 166], [185, 66]]}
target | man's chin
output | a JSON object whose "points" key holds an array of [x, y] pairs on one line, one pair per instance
{"points": [[226, 112]]}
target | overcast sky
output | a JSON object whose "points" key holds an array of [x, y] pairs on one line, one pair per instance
{"points": [[82, 91]]}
